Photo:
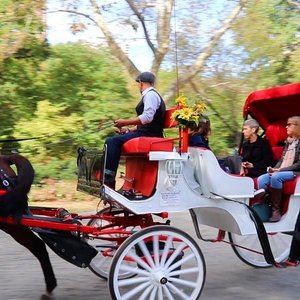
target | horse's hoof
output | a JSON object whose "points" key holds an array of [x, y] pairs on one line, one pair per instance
{"points": [[47, 296]]}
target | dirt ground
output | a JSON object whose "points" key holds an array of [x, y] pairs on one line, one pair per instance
{"points": [[60, 193]]}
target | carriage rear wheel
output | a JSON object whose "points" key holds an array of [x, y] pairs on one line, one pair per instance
{"points": [[167, 262], [100, 264], [280, 245]]}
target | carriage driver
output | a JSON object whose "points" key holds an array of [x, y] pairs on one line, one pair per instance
{"points": [[149, 122]]}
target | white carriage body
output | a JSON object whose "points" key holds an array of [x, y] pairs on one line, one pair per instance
{"points": [[215, 196]]}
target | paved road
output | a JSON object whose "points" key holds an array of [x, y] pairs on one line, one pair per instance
{"points": [[227, 277]]}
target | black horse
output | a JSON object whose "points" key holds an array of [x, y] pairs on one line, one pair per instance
{"points": [[14, 202]]}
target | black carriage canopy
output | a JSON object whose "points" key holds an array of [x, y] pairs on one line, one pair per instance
{"points": [[273, 105]]}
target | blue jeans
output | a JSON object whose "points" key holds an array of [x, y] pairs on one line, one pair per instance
{"points": [[275, 180], [114, 147]]}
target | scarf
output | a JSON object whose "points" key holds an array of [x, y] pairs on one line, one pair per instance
{"points": [[289, 155]]}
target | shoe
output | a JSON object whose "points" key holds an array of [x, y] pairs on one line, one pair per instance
{"points": [[292, 262], [276, 216], [47, 296], [259, 193]]}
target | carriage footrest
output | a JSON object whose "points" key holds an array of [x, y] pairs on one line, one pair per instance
{"points": [[69, 247]]}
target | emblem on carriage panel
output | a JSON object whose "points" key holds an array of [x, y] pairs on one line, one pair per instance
{"points": [[173, 169]]}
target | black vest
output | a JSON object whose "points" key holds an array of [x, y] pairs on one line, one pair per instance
{"points": [[155, 127]]}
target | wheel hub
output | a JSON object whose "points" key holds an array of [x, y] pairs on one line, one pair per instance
{"points": [[159, 277], [163, 280]]}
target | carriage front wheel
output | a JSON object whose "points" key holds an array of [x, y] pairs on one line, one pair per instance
{"points": [[167, 262]]}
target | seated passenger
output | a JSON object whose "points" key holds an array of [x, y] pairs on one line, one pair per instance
{"points": [[256, 154], [198, 134], [287, 168], [150, 121]]}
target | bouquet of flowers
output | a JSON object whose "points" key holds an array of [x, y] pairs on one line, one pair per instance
{"points": [[188, 114]]}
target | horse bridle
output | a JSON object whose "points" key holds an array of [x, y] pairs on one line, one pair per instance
{"points": [[6, 180]]}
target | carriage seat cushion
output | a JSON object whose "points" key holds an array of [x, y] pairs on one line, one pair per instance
{"points": [[276, 134], [288, 186], [146, 144]]}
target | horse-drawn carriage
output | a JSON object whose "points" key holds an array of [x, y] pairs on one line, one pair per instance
{"points": [[138, 251]]}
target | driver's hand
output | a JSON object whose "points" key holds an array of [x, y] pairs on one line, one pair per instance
{"points": [[120, 123], [123, 130]]}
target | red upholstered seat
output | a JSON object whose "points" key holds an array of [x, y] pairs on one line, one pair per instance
{"points": [[288, 186], [276, 134], [138, 167], [145, 144], [288, 189]]}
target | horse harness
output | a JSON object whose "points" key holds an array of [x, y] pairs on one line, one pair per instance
{"points": [[8, 182]]}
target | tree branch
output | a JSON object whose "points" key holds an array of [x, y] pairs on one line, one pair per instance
{"points": [[164, 14], [198, 66], [113, 45], [74, 12], [142, 20]]}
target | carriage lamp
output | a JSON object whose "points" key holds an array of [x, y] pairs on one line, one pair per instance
{"points": [[174, 170]]}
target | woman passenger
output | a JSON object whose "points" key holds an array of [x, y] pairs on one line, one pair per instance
{"points": [[198, 134], [287, 168]]}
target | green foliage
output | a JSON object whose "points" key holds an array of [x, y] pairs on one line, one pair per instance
{"points": [[53, 129], [59, 103], [269, 33], [56, 168], [22, 48], [89, 83]]}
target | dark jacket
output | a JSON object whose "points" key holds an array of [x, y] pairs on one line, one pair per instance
{"points": [[259, 154], [198, 140], [295, 167], [154, 128]]}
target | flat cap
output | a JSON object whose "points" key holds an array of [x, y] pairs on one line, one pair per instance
{"points": [[146, 77]]}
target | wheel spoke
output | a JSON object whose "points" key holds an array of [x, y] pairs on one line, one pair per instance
{"points": [[146, 253], [175, 254], [183, 260], [178, 291], [130, 295], [134, 270], [156, 250], [134, 257], [148, 290], [168, 245], [167, 292], [182, 282], [132, 281], [182, 272]]}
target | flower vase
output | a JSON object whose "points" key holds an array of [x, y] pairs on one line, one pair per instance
{"points": [[184, 137]]}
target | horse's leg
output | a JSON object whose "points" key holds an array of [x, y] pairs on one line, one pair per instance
{"points": [[24, 236]]}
